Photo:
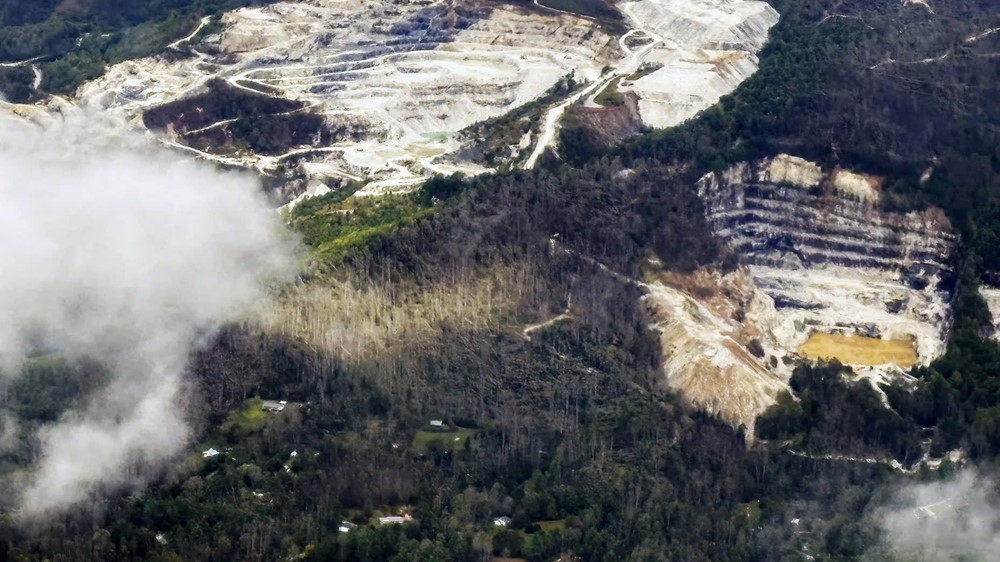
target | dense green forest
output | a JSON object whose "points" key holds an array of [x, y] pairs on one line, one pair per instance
{"points": [[567, 431]]}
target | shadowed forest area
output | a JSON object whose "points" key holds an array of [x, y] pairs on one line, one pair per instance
{"points": [[413, 308]]}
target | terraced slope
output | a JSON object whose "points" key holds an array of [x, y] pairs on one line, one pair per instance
{"points": [[828, 275], [396, 83], [818, 245]]}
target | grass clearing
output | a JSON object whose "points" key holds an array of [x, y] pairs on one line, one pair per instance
{"points": [[552, 525], [248, 419], [336, 222], [749, 511], [451, 439], [860, 350]]}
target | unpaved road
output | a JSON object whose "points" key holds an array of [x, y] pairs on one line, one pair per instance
{"points": [[626, 67], [201, 25]]}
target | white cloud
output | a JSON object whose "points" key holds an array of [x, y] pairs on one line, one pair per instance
{"points": [[958, 519], [113, 249]]}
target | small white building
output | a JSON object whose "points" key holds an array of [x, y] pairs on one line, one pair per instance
{"points": [[274, 406], [346, 527], [391, 520], [210, 453], [501, 521], [437, 423]]}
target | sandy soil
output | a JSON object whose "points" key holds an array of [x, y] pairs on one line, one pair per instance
{"points": [[853, 349]]}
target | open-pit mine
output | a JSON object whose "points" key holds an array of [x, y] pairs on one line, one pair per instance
{"points": [[379, 92], [386, 93], [827, 275]]}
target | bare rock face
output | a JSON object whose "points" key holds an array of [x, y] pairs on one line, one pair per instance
{"points": [[410, 77], [828, 275], [407, 75], [832, 261], [991, 294], [704, 48]]}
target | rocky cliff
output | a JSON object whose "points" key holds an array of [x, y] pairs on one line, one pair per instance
{"points": [[817, 243], [828, 274]]}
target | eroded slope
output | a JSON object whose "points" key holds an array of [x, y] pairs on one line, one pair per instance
{"points": [[705, 49], [718, 349]]}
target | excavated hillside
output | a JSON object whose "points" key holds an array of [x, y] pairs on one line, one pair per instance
{"points": [[828, 276], [384, 89], [707, 49], [717, 345], [817, 243]]}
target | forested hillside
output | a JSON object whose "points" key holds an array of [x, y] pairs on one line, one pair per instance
{"points": [[502, 307]]}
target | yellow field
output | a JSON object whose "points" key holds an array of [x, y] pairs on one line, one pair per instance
{"points": [[860, 350]]}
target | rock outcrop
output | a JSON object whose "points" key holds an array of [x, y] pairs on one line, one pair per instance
{"points": [[823, 265], [832, 261], [708, 48]]}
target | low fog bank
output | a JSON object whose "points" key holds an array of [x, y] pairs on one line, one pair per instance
{"points": [[131, 256], [956, 519]]}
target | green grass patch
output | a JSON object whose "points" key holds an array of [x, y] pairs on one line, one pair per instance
{"points": [[552, 525], [749, 512], [248, 419], [450, 439], [610, 96], [335, 223]]}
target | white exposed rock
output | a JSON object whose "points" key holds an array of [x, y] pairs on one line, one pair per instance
{"points": [[859, 186], [688, 82], [832, 262], [315, 189], [707, 48], [710, 24], [820, 260], [791, 170], [992, 297], [705, 354], [411, 74]]}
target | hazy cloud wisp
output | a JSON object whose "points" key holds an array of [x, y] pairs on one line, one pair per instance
{"points": [[948, 520], [129, 255]]}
